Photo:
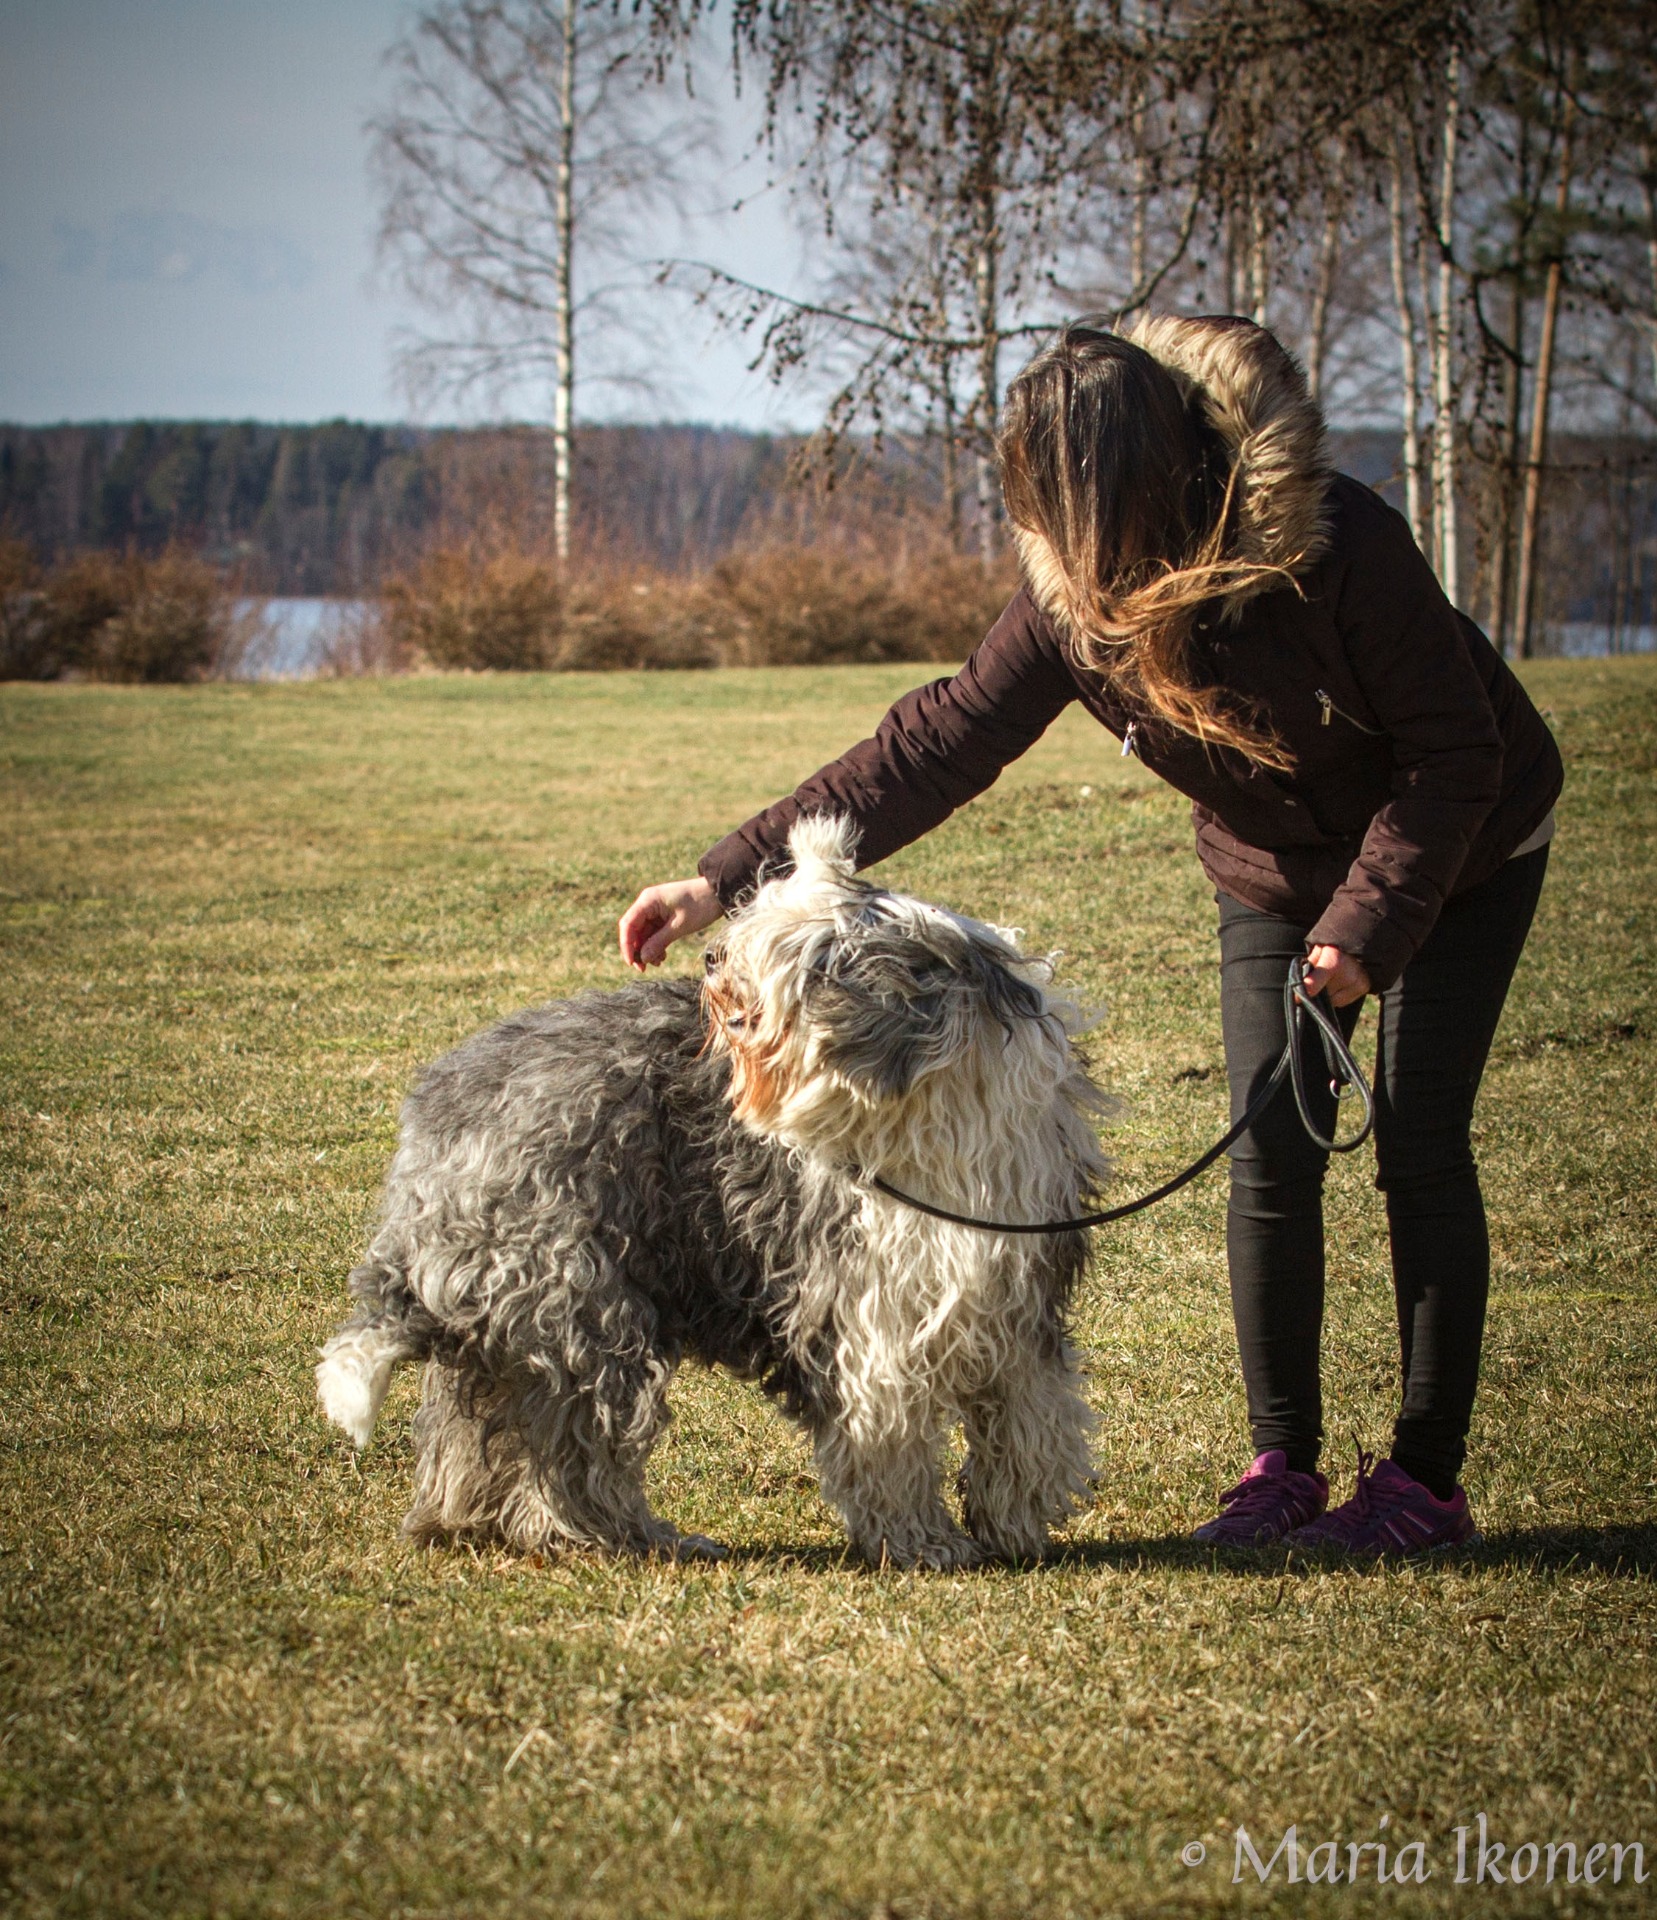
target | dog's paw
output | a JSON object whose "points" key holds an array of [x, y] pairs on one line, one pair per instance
{"points": [[1022, 1551], [693, 1546], [1016, 1540], [953, 1553], [952, 1556]]}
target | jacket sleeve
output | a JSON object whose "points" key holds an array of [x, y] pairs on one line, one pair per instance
{"points": [[1404, 644], [935, 750]]}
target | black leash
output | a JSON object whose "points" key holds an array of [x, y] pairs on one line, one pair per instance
{"points": [[1344, 1072]]}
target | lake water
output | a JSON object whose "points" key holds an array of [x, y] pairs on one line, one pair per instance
{"points": [[294, 639], [1581, 641]]}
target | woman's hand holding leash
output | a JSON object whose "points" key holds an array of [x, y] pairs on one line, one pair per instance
{"points": [[662, 915], [1345, 977]]}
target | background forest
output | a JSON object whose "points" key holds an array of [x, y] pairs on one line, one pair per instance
{"points": [[1449, 212]]}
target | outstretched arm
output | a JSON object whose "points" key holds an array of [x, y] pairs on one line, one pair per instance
{"points": [[936, 748]]}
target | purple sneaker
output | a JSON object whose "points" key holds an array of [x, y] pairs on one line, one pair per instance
{"points": [[1267, 1503], [1390, 1515]]}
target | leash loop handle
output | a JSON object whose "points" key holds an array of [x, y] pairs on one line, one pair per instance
{"points": [[1344, 1072]]}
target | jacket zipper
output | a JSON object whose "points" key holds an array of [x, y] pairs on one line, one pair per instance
{"points": [[1129, 744], [1330, 710]]}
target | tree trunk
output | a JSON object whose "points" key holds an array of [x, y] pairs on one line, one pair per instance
{"points": [[1258, 288], [1513, 396], [986, 139], [1236, 264], [1650, 184], [1444, 390], [1625, 536], [952, 434], [1536, 459], [1411, 406], [1323, 287], [1622, 515], [1139, 221], [1432, 510], [563, 397], [989, 392], [1507, 472]]}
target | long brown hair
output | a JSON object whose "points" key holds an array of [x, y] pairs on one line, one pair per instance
{"points": [[1121, 496]]}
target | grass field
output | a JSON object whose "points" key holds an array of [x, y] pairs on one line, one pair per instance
{"points": [[235, 922]]}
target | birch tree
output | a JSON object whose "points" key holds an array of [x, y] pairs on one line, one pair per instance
{"points": [[1374, 179], [1442, 227], [524, 143], [1539, 134], [1524, 608], [1409, 387]]}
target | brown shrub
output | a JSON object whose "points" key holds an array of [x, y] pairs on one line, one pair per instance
{"points": [[171, 624], [501, 609], [25, 626], [796, 606], [952, 600], [498, 607], [111, 616], [83, 594], [657, 620], [815, 606], [459, 607]]}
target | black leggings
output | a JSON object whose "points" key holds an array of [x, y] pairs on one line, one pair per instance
{"points": [[1436, 1026]]}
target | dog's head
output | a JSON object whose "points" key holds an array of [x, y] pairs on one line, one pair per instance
{"points": [[838, 1001]]}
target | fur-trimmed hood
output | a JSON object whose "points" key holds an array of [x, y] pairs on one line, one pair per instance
{"points": [[1255, 398]]}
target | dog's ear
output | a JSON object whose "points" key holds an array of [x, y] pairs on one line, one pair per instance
{"points": [[882, 1025], [1004, 995], [888, 1013], [823, 846]]}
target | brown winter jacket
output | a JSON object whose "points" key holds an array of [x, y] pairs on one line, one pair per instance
{"points": [[1419, 762]]}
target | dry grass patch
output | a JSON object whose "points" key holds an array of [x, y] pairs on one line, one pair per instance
{"points": [[235, 921]]}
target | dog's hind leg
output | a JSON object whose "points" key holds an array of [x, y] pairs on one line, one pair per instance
{"points": [[1029, 1458], [468, 1459], [541, 1463]]}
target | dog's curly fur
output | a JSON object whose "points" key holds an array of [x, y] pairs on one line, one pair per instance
{"points": [[588, 1193]]}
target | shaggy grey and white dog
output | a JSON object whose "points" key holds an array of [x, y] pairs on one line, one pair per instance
{"points": [[589, 1193]]}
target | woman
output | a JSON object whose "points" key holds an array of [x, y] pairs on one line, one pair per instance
{"points": [[1371, 790]]}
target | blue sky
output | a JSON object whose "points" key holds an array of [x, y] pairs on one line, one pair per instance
{"points": [[186, 220]]}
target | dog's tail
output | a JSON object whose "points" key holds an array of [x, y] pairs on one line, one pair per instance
{"points": [[356, 1365]]}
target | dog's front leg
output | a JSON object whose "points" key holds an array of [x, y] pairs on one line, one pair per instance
{"points": [[1029, 1455], [888, 1491]]}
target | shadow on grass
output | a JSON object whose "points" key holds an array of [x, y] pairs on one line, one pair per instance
{"points": [[1623, 1552], [1629, 1552]]}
